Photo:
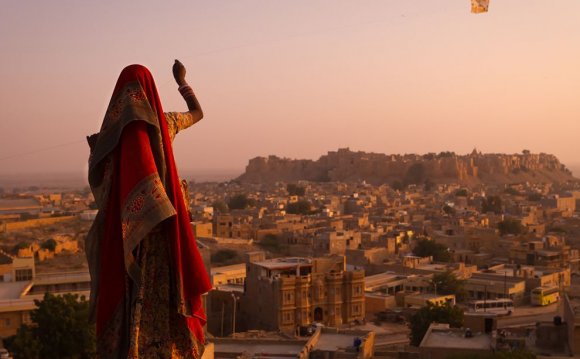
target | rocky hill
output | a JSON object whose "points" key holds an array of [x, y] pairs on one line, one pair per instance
{"points": [[445, 167]]}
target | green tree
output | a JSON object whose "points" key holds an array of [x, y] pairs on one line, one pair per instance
{"points": [[448, 283], [300, 207], [60, 329], [225, 257], [220, 206], [492, 204], [295, 190], [426, 248], [271, 243], [448, 209], [239, 201], [398, 185], [510, 226], [49, 244], [461, 192], [20, 245], [420, 322], [24, 345]]}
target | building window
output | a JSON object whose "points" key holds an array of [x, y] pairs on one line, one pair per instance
{"points": [[7, 322], [355, 309], [23, 274]]}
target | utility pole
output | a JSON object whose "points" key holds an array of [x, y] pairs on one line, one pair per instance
{"points": [[485, 298], [234, 324], [223, 313], [505, 284]]}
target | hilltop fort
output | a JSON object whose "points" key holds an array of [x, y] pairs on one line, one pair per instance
{"points": [[349, 166]]}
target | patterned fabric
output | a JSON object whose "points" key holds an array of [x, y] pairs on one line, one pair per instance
{"points": [[146, 205], [156, 331], [144, 262], [177, 121]]}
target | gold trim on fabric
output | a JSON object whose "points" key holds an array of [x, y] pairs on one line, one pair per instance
{"points": [[146, 206]]}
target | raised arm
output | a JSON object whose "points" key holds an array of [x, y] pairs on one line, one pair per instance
{"points": [[187, 93]]}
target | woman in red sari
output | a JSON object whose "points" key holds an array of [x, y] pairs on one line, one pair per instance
{"points": [[147, 276]]}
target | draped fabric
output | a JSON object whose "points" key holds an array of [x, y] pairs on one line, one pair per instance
{"points": [[142, 228]]}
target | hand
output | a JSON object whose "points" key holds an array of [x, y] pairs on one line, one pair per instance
{"points": [[179, 73]]}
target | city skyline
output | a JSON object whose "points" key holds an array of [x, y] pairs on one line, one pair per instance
{"points": [[295, 79]]}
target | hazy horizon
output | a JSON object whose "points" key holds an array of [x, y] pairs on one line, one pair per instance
{"points": [[295, 79], [77, 179]]}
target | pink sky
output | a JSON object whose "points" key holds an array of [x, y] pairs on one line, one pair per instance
{"points": [[295, 78]]}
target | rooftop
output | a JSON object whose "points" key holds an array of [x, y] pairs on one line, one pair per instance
{"points": [[334, 341], [441, 336], [19, 203], [285, 263]]}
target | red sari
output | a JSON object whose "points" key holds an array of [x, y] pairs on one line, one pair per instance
{"points": [[147, 276]]}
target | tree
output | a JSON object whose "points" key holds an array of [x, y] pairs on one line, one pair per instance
{"points": [[49, 244], [420, 322], [398, 185], [448, 283], [271, 243], [510, 226], [20, 245], [426, 248], [449, 210], [225, 257], [239, 201], [24, 344], [60, 329], [220, 206], [295, 190], [300, 207], [492, 204]]}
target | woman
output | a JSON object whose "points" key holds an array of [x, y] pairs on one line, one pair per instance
{"points": [[147, 276]]}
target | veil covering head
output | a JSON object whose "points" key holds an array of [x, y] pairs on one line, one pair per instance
{"points": [[133, 176]]}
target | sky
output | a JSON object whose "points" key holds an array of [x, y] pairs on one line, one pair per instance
{"points": [[294, 78]]}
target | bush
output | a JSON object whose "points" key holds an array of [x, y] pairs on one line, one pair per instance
{"points": [[49, 244], [295, 190], [225, 256], [300, 207], [60, 329], [427, 248], [510, 226], [270, 243], [239, 201]]}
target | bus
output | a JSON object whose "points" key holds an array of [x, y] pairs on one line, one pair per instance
{"points": [[502, 306], [545, 295]]}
